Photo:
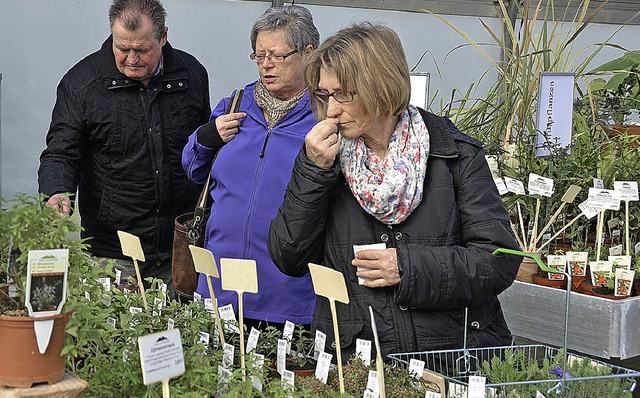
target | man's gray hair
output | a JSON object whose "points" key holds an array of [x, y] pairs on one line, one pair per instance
{"points": [[297, 22], [129, 12]]}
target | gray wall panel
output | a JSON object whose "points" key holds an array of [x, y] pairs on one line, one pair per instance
{"points": [[40, 40]]}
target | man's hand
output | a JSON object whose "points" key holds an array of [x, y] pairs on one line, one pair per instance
{"points": [[380, 267], [61, 203]]}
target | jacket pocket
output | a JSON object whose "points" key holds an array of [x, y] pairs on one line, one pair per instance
{"points": [[486, 326], [348, 333]]}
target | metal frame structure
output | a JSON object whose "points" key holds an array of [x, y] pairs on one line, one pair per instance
{"points": [[615, 12]]}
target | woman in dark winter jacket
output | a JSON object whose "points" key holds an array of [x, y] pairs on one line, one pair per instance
{"points": [[399, 201]]}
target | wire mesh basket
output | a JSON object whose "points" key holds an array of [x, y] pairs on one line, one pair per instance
{"points": [[523, 371], [530, 370]]}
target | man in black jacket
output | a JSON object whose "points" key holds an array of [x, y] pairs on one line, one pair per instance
{"points": [[120, 121]]}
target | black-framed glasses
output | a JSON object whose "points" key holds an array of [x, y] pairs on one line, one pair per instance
{"points": [[273, 58], [340, 96]]}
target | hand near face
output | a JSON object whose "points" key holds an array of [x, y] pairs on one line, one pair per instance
{"points": [[228, 125], [381, 267], [322, 143]]}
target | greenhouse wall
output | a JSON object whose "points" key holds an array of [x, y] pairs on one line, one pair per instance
{"points": [[40, 40]]}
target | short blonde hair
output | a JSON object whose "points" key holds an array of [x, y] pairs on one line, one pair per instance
{"points": [[367, 59]]}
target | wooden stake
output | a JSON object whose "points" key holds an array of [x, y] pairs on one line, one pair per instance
{"points": [[242, 277], [205, 263], [568, 197], [524, 231], [330, 283], [535, 225], [131, 247]]}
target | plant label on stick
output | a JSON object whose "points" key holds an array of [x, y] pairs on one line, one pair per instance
{"points": [[568, 197], [363, 350], [604, 199], [330, 283], [46, 290], [556, 262], [131, 247], [617, 261], [571, 193], [320, 342], [628, 190], [379, 362], [205, 264], [204, 261], [161, 358], [540, 185], [502, 187], [588, 211], [577, 263], [598, 183], [514, 186], [623, 281], [600, 270], [240, 276]]}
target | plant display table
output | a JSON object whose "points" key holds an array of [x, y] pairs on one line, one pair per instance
{"points": [[70, 386], [597, 326]]}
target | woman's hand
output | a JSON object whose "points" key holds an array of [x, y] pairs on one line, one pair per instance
{"points": [[380, 267], [323, 143], [228, 125]]}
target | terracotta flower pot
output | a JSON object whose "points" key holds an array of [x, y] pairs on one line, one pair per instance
{"points": [[528, 266], [630, 131], [607, 293], [22, 364], [586, 287], [541, 278], [576, 280]]}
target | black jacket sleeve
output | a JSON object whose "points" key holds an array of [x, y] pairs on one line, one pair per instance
{"points": [[296, 234], [60, 161]]}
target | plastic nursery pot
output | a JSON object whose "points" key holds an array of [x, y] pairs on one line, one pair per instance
{"points": [[586, 287], [541, 278], [607, 293], [576, 280], [22, 365]]}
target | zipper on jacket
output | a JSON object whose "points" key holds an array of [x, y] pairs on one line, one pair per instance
{"points": [[146, 104], [264, 144]]}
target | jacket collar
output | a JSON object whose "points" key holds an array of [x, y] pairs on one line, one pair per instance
{"points": [[172, 63], [441, 132]]}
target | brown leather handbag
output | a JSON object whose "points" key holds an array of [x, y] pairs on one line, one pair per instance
{"points": [[189, 230]]}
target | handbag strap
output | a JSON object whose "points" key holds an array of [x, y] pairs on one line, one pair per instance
{"points": [[195, 230]]}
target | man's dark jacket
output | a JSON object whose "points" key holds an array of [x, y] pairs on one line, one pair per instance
{"points": [[443, 250], [120, 144]]}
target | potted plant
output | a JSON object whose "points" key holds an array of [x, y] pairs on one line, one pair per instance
{"points": [[27, 224], [618, 97]]}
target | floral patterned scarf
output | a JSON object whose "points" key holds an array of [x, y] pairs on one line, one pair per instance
{"points": [[391, 188]]}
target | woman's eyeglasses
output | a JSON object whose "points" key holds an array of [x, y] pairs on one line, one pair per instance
{"points": [[340, 96], [273, 58]]}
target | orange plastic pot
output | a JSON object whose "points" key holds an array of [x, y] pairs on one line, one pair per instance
{"points": [[22, 365]]}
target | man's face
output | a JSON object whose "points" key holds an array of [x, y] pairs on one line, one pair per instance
{"points": [[137, 52]]}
